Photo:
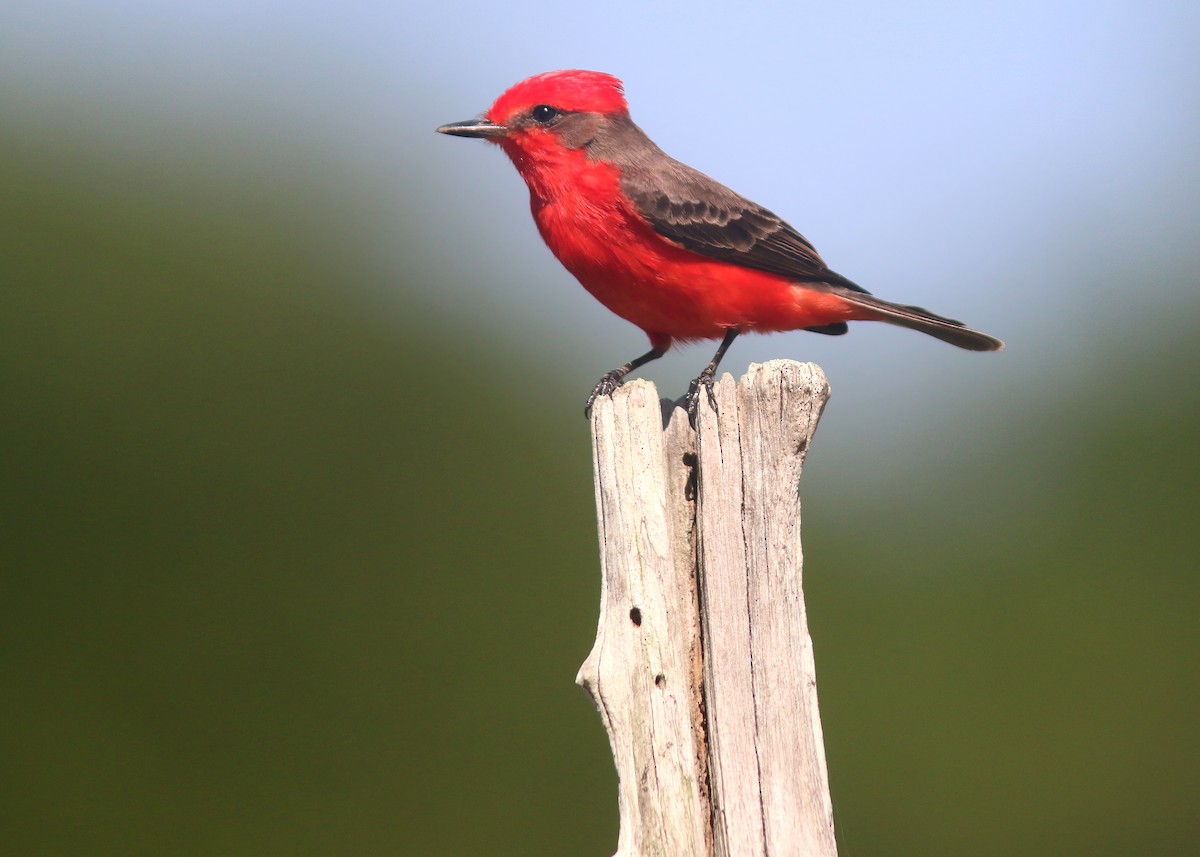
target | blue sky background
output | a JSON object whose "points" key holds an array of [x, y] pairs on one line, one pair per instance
{"points": [[989, 161]]}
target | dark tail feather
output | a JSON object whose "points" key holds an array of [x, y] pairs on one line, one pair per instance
{"points": [[916, 318]]}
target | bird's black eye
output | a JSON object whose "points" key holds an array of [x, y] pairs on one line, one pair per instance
{"points": [[544, 114]]}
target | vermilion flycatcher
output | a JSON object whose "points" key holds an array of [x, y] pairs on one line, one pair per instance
{"points": [[663, 245]]}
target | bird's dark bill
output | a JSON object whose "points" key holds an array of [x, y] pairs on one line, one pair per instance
{"points": [[474, 128]]}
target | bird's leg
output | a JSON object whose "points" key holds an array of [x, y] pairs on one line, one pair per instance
{"points": [[612, 379], [692, 400]]}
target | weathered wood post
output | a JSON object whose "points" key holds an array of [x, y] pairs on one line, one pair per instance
{"points": [[703, 669]]}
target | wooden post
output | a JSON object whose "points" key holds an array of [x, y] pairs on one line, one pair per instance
{"points": [[703, 669]]}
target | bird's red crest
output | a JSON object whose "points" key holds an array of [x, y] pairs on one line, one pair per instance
{"points": [[572, 90]]}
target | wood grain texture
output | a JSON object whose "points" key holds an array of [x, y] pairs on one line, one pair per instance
{"points": [[703, 669], [642, 671], [766, 751]]}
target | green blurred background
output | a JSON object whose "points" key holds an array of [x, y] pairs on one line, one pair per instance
{"points": [[298, 541]]}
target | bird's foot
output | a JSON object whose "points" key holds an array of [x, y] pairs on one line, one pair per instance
{"points": [[691, 401], [606, 386]]}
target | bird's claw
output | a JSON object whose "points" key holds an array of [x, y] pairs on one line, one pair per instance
{"points": [[606, 386], [691, 401]]}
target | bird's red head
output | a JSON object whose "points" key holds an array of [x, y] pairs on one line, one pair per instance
{"points": [[548, 110], [543, 122], [570, 91]]}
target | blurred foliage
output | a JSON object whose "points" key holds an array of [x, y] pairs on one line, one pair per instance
{"points": [[283, 574], [286, 572]]}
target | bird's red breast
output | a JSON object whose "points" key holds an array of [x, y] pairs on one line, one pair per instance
{"points": [[663, 288]]}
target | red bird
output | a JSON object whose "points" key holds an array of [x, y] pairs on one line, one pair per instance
{"points": [[663, 245]]}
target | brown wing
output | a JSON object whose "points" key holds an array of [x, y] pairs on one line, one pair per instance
{"points": [[687, 207], [706, 217]]}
